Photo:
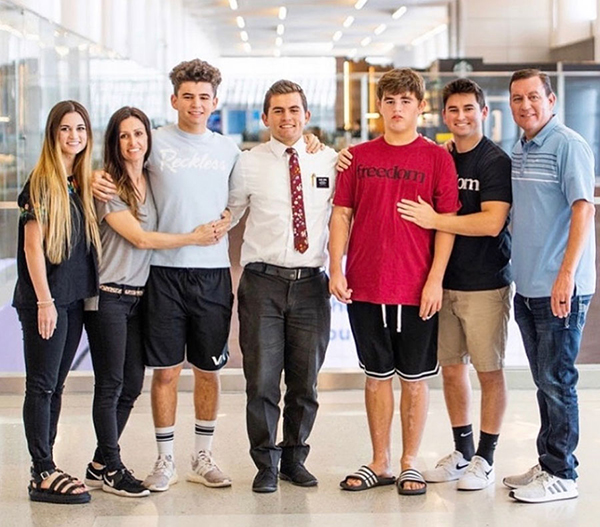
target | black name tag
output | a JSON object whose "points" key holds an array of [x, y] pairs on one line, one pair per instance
{"points": [[322, 182]]}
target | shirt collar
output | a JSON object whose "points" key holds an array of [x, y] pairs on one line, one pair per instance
{"points": [[278, 148], [540, 137]]}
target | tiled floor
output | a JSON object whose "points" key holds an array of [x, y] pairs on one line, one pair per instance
{"points": [[340, 445]]}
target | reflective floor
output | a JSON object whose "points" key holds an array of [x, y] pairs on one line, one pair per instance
{"points": [[340, 445]]}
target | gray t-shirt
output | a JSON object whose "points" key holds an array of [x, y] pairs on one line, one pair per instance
{"points": [[123, 263], [189, 174]]}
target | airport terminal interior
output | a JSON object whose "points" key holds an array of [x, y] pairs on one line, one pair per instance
{"points": [[110, 53]]}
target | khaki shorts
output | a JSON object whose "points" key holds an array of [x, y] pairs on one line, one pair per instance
{"points": [[473, 325]]}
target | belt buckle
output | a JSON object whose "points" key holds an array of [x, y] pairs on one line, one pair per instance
{"points": [[294, 274]]}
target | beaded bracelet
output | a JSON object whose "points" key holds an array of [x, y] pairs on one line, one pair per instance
{"points": [[45, 303]]}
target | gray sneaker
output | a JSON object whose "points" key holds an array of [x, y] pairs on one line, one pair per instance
{"points": [[206, 471], [546, 488], [163, 474], [522, 480]]}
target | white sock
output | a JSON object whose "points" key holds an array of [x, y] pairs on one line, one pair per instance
{"points": [[165, 440], [204, 433]]}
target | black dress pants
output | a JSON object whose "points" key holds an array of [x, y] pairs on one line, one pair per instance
{"points": [[284, 327]]}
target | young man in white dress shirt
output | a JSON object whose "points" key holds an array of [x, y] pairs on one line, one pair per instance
{"points": [[283, 296]]}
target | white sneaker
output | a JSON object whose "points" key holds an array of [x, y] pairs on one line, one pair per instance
{"points": [[206, 471], [521, 480], [479, 475], [163, 474], [448, 468], [546, 488]]}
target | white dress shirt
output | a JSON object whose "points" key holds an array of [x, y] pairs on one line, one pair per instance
{"points": [[261, 182]]}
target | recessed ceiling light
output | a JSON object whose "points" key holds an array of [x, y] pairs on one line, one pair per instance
{"points": [[348, 22], [244, 36], [278, 41], [282, 12], [352, 52], [399, 12], [247, 47], [380, 29], [277, 52], [360, 4], [240, 22], [233, 4], [365, 41], [280, 29], [337, 35]]}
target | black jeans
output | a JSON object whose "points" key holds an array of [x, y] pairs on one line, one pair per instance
{"points": [[47, 363], [284, 326], [116, 344]]}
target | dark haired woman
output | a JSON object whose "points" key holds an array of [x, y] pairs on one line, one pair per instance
{"points": [[56, 262], [127, 225]]}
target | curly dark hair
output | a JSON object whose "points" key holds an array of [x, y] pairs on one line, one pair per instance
{"points": [[195, 71]]}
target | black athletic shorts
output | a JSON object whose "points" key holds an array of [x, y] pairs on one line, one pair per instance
{"points": [[386, 347], [187, 308]]}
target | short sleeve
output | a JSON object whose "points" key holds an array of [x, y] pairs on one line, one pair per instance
{"points": [[116, 204], [445, 194], [25, 206], [576, 171], [345, 186], [495, 178]]}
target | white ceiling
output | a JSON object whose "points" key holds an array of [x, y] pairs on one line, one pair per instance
{"points": [[310, 25]]}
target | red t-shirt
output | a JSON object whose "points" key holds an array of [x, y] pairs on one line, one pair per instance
{"points": [[389, 258]]}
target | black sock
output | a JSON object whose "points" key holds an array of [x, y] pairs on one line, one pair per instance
{"points": [[463, 440], [487, 445]]}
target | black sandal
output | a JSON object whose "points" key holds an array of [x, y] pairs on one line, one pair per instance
{"points": [[61, 490]]}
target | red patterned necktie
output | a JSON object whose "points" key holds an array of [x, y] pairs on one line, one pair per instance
{"points": [[298, 217]]}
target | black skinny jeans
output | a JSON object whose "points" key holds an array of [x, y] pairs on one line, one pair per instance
{"points": [[47, 363], [115, 336]]}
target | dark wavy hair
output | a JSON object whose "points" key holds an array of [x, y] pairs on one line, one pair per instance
{"points": [[114, 163]]}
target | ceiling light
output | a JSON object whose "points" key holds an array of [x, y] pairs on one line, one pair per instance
{"points": [[247, 47], [233, 4], [244, 36], [360, 4], [282, 12], [399, 12], [352, 52], [365, 41], [277, 53], [380, 29], [337, 35], [348, 22], [240, 22], [280, 29], [435, 31], [278, 41]]}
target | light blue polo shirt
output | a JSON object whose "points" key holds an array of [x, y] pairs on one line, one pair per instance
{"points": [[549, 173]]}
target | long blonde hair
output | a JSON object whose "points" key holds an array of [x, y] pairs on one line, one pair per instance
{"points": [[48, 188]]}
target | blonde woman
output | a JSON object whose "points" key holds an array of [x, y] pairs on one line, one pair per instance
{"points": [[56, 262]]}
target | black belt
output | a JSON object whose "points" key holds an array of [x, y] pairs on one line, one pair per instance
{"points": [[288, 273]]}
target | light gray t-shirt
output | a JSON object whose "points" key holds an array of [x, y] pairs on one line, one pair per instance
{"points": [[123, 263], [189, 174]]}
